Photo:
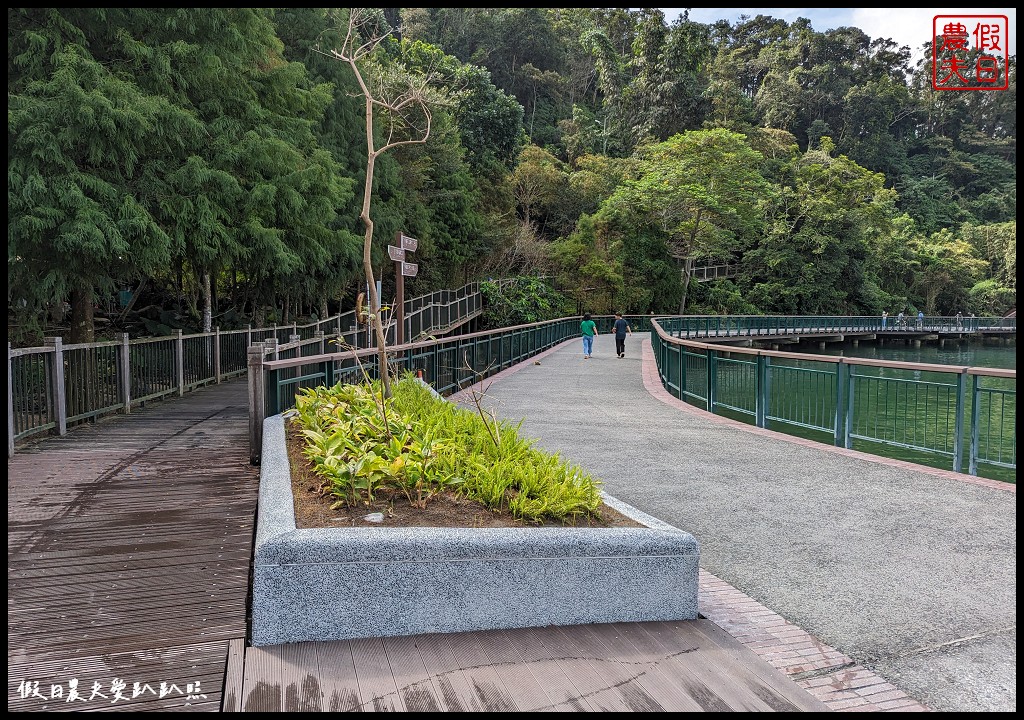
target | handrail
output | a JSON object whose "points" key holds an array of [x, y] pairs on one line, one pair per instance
{"points": [[59, 384], [845, 403]]}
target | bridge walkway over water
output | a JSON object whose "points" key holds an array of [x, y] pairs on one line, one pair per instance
{"points": [[906, 569], [129, 541]]}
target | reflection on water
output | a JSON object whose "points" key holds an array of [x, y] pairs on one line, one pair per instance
{"points": [[919, 412]]}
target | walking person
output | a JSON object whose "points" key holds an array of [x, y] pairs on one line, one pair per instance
{"points": [[885, 318], [901, 323], [588, 328], [621, 327], [920, 319]]}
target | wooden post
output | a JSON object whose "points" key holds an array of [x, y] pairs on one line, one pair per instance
{"points": [[400, 299], [273, 344], [179, 360], [293, 338], [248, 336], [216, 352], [57, 381], [10, 404], [257, 401], [319, 336], [126, 375]]}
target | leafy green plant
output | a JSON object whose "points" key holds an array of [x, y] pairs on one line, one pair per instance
{"points": [[419, 445]]}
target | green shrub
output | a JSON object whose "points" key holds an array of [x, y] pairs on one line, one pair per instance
{"points": [[419, 445]]}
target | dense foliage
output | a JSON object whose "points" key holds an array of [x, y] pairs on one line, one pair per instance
{"points": [[211, 161], [417, 445]]}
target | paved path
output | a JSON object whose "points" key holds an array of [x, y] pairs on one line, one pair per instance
{"points": [[910, 573]]}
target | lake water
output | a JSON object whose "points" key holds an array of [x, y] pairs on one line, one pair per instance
{"points": [[924, 418]]}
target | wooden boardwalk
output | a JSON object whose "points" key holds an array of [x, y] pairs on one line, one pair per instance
{"points": [[622, 667], [129, 547]]}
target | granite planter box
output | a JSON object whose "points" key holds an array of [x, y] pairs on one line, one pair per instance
{"points": [[343, 583]]}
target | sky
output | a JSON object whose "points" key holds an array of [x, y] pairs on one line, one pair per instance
{"points": [[906, 26]]}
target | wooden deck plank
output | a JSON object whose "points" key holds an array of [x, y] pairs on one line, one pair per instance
{"points": [[261, 683], [232, 696], [378, 690], [647, 683], [418, 690], [300, 678], [773, 684], [439, 661], [489, 685], [538, 648], [523, 667], [690, 673], [597, 680], [338, 676]]}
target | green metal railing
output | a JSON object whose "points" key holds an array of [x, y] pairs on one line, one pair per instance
{"points": [[938, 410], [448, 365]]}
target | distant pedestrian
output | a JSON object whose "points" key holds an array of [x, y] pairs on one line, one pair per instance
{"points": [[901, 322], [920, 319], [959, 320], [885, 318], [621, 327], [588, 328]]}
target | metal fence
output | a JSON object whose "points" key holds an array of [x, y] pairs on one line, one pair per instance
{"points": [[448, 364], [57, 386], [951, 411]]}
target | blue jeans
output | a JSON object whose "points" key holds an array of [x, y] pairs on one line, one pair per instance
{"points": [[588, 344]]}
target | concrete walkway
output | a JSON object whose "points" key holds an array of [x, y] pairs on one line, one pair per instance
{"points": [[910, 573]]}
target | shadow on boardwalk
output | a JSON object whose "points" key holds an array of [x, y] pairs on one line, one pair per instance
{"points": [[129, 546]]}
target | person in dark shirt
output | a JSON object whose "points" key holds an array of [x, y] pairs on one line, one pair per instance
{"points": [[621, 327]]}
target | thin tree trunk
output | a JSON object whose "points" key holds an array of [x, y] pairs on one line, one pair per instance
{"points": [[83, 326], [204, 283], [323, 308], [687, 273]]}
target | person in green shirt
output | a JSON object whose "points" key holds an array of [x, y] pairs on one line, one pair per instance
{"points": [[589, 330]]}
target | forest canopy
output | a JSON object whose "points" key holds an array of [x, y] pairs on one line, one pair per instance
{"points": [[182, 167]]}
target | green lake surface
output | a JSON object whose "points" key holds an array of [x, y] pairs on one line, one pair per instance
{"points": [[904, 407]]}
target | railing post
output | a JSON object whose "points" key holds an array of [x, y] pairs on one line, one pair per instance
{"points": [[319, 336], [972, 467], [294, 338], [257, 401], [60, 407], [126, 374], [961, 406], [682, 372], [712, 379], [10, 404], [248, 336], [179, 361], [848, 425], [216, 352], [840, 421], [761, 402], [273, 344]]}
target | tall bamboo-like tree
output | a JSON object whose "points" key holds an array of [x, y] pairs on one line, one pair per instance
{"points": [[402, 103]]}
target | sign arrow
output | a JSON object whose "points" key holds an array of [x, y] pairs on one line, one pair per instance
{"points": [[396, 253], [410, 269]]}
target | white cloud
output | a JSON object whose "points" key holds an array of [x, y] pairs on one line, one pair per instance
{"points": [[906, 26]]}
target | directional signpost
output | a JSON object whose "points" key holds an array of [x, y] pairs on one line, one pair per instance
{"points": [[397, 252]]}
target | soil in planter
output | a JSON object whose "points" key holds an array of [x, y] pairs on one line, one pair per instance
{"points": [[313, 510]]}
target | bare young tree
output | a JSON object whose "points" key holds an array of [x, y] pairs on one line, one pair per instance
{"points": [[401, 103]]}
